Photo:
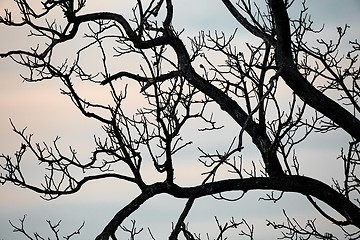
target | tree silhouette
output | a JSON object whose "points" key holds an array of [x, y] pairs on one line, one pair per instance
{"points": [[181, 83]]}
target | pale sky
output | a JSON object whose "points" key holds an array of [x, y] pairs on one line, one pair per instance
{"points": [[46, 113]]}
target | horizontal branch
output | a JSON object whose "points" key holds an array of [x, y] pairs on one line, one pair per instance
{"points": [[70, 189], [136, 77], [297, 184]]}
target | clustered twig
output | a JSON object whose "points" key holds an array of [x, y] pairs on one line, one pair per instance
{"points": [[292, 229], [36, 236]]}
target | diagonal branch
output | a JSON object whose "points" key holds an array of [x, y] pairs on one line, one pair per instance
{"points": [[301, 87], [180, 222], [246, 24], [112, 226], [227, 104]]}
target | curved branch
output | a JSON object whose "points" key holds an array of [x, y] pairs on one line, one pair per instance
{"points": [[298, 184], [135, 38], [322, 212], [69, 189], [301, 87]]}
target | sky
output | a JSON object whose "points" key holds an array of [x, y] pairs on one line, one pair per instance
{"points": [[46, 113]]}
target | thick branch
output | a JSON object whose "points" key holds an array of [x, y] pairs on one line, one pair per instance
{"points": [[259, 138], [297, 184], [301, 87], [246, 24], [180, 222], [136, 39], [110, 229]]}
